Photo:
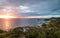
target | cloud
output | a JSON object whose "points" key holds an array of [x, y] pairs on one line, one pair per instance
{"points": [[33, 7]]}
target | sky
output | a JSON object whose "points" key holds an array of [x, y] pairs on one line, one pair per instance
{"points": [[30, 7]]}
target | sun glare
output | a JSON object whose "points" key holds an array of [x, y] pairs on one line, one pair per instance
{"points": [[7, 16]]}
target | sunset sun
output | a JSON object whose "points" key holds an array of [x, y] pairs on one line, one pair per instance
{"points": [[7, 16]]}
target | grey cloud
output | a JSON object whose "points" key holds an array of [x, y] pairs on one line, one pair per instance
{"points": [[41, 7]]}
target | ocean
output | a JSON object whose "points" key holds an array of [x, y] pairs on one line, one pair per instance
{"points": [[7, 24]]}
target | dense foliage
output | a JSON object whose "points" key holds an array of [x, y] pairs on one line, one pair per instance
{"points": [[50, 30]]}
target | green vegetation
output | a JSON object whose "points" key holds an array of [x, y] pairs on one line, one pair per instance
{"points": [[50, 30]]}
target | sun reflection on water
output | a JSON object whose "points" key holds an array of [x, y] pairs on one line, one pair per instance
{"points": [[6, 21], [7, 24]]}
